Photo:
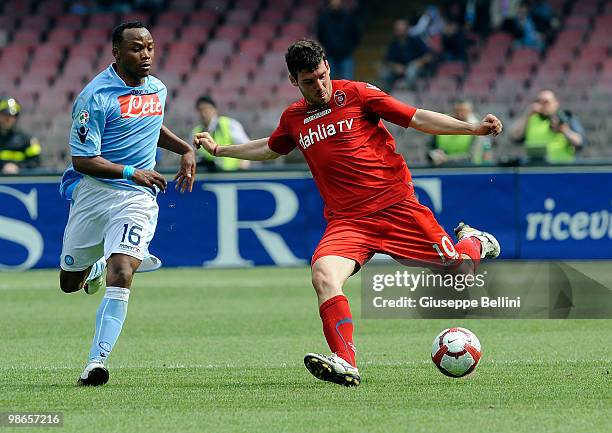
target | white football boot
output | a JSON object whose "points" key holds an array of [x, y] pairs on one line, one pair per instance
{"points": [[149, 264], [95, 281], [332, 368], [95, 374], [489, 247]]}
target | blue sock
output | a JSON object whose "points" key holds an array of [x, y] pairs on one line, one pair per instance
{"points": [[97, 269], [109, 321]]}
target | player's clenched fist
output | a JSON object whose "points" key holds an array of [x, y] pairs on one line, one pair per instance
{"points": [[489, 125], [150, 179], [205, 140]]}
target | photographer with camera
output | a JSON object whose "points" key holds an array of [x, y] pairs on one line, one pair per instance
{"points": [[548, 133]]}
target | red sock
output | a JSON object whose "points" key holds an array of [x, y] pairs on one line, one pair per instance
{"points": [[471, 247], [338, 327]]}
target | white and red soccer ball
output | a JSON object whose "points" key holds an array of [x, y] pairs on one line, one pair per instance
{"points": [[456, 352]]}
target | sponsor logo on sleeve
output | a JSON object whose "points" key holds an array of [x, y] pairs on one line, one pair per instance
{"points": [[83, 117], [81, 120], [82, 132]]}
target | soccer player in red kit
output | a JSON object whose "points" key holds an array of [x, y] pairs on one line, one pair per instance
{"points": [[369, 198]]}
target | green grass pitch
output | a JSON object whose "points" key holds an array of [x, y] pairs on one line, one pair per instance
{"points": [[221, 351]]}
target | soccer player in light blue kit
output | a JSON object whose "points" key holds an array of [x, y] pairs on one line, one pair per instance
{"points": [[117, 127]]}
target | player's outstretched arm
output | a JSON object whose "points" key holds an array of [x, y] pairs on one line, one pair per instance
{"points": [[435, 123], [103, 168], [186, 174], [256, 150]]}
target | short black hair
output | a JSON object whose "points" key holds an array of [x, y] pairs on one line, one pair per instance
{"points": [[118, 31], [205, 99], [304, 55]]}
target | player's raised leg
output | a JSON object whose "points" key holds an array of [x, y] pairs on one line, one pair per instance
{"points": [[472, 246], [90, 279], [71, 282], [81, 261], [95, 279], [489, 246], [329, 273], [416, 235], [110, 317]]}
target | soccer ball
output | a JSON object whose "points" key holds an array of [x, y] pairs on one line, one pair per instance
{"points": [[456, 352]]}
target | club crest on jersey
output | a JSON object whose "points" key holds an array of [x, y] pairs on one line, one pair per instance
{"points": [[339, 98], [140, 105]]}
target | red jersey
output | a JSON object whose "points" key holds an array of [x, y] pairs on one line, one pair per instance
{"points": [[349, 151]]}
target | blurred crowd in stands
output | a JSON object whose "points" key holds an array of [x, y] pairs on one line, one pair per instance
{"points": [[446, 33], [543, 66], [448, 37]]}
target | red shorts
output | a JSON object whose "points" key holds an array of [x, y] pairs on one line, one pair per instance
{"points": [[406, 230]]}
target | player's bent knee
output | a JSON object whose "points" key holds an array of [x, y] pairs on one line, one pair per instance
{"points": [[324, 283], [318, 279], [120, 269], [120, 276], [70, 282]]}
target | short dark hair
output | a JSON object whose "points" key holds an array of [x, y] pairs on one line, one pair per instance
{"points": [[304, 55], [205, 99], [118, 31]]}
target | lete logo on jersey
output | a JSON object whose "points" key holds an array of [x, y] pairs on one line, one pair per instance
{"points": [[140, 105]]}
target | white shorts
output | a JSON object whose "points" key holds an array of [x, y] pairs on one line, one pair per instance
{"points": [[103, 221]]}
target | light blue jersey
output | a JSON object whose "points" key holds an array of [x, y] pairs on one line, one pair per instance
{"points": [[118, 122]]}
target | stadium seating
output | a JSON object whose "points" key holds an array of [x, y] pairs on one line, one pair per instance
{"points": [[234, 50], [211, 46], [503, 79]]}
